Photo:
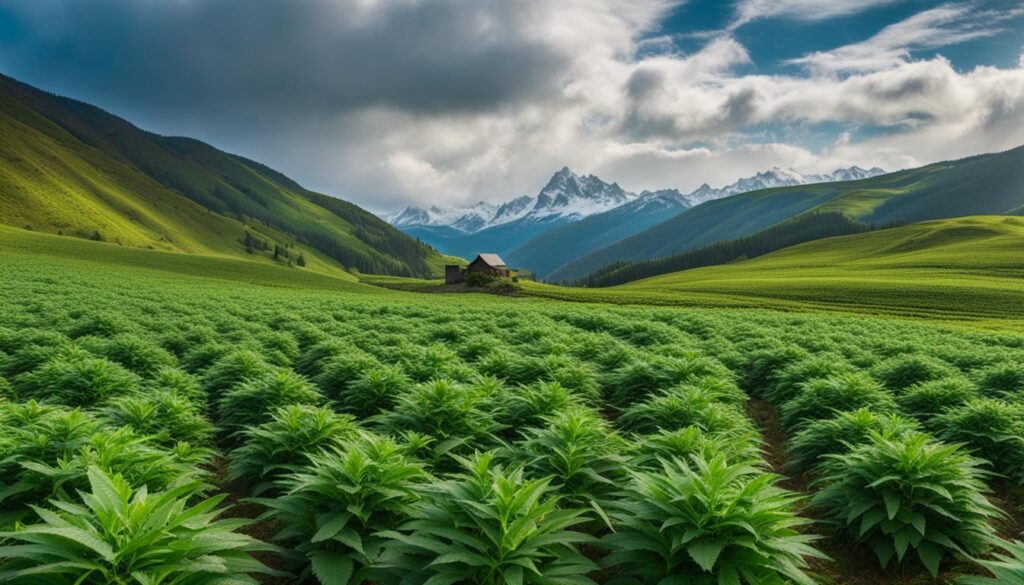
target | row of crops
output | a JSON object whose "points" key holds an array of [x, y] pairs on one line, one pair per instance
{"points": [[448, 440]]}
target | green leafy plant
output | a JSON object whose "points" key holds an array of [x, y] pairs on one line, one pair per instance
{"points": [[789, 382], [908, 493], [341, 371], [333, 511], [708, 521], [76, 380], [373, 391], [231, 370], [902, 372], [283, 443], [991, 429], [638, 380], [178, 382], [528, 406], [1004, 380], [929, 399], [120, 535], [823, 397], [579, 449], [689, 441], [252, 402], [137, 355], [451, 413], [490, 525], [168, 417], [1006, 565], [684, 406], [837, 435]]}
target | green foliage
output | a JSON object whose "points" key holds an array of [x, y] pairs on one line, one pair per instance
{"points": [[123, 535], [334, 511], [990, 429], [1004, 380], [908, 493], [253, 402], [137, 355], [375, 390], [341, 371], [821, 398], [491, 526], [449, 412], [479, 279], [168, 417], [638, 380], [690, 441], [708, 521], [284, 443], [1006, 566], [529, 406], [927, 400], [683, 406], [837, 435], [231, 370], [177, 382], [900, 373], [76, 381]]}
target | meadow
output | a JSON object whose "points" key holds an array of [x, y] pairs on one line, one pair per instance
{"points": [[166, 419]]}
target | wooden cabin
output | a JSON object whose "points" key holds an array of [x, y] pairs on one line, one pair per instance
{"points": [[490, 264]]}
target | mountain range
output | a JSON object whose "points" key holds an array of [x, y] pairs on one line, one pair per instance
{"points": [[573, 215], [72, 169]]}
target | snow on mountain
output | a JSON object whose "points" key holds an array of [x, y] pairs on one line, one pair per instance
{"points": [[569, 197], [776, 177]]}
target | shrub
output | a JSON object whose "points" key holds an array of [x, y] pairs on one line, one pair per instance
{"points": [[341, 371], [708, 521], [789, 382], [528, 406], [761, 367], [839, 434], [166, 416], [908, 493], [902, 372], [490, 525], [690, 441], [283, 443], [1005, 380], [313, 360], [822, 398], [177, 382], [231, 370], [579, 449], [77, 381], [684, 406], [100, 325], [991, 429], [374, 391], [121, 535], [479, 279], [335, 509], [251, 403], [137, 355], [449, 412], [636, 381], [927, 400]]}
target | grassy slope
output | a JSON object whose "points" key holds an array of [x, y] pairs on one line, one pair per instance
{"points": [[20, 248], [986, 184], [966, 268], [75, 168]]}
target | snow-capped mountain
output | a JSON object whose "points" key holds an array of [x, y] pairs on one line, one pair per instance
{"points": [[777, 177], [566, 197]]}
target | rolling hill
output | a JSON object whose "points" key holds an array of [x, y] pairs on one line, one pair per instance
{"points": [[962, 268], [984, 184], [71, 168]]}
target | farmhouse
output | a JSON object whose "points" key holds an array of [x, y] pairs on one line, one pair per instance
{"points": [[490, 264]]}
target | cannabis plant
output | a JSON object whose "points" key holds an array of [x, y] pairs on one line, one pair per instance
{"points": [[689, 441], [334, 510], [990, 429], [168, 417], [118, 534], [1006, 565], [283, 444], [902, 372], [371, 392], [683, 406], [491, 526], [908, 493], [927, 400], [252, 402], [708, 521], [839, 434], [822, 398]]}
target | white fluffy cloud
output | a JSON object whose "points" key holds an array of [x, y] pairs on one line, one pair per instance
{"points": [[393, 102]]}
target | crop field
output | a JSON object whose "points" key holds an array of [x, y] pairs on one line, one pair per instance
{"points": [[162, 426]]}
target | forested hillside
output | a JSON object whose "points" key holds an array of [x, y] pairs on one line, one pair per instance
{"points": [[74, 169], [985, 184]]}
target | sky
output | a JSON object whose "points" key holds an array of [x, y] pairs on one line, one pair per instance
{"points": [[390, 103]]}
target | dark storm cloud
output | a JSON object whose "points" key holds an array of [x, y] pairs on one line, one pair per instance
{"points": [[309, 57]]}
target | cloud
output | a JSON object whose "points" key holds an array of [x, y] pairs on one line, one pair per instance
{"points": [[394, 102], [805, 10], [943, 26]]}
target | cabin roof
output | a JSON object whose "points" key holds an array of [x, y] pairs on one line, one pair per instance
{"points": [[492, 260]]}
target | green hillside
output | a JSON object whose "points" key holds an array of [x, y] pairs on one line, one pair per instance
{"points": [[981, 185], [966, 268], [74, 169]]}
